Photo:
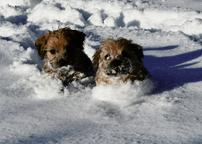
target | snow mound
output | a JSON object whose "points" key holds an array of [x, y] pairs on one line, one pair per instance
{"points": [[8, 29], [8, 52], [166, 20], [8, 11], [118, 14], [123, 95], [43, 86], [16, 2], [113, 14], [47, 12]]}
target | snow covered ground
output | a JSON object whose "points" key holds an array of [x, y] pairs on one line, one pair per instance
{"points": [[33, 110]]}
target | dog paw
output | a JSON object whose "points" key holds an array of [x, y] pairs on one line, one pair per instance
{"points": [[68, 74], [69, 70]]}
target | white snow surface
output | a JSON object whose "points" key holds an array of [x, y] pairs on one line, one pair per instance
{"points": [[166, 110]]}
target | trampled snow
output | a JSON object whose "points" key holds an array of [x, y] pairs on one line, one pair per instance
{"points": [[34, 110]]}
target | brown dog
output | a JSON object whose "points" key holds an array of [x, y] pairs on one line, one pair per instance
{"points": [[63, 56], [119, 61]]}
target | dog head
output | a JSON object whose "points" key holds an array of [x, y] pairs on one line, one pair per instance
{"points": [[59, 47], [63, 55], [118, 61]]}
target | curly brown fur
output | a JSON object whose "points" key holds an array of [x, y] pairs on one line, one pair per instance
{"points": [[119, 61], [64, 47]]}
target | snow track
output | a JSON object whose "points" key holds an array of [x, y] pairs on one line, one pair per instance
{"points": [[33, 110]]}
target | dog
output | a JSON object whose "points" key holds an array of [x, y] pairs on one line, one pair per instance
{"points": [[63, 56], [119, 61]]}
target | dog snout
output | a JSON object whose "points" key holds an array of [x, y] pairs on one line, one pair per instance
{"points": [[116, 63], [119, 66]]}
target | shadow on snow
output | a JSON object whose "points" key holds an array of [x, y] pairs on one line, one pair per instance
{"points": [[173, 71]]}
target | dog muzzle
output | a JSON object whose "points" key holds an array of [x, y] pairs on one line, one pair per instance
{"points": [[119, 66]]}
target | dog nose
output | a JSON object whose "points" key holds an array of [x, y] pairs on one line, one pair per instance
{"points": [[119, 66], [115, 63]]}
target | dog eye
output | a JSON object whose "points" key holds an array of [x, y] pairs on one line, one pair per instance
{"points": [[52, 51], [107, 56]]}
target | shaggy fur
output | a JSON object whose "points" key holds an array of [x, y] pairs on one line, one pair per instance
{"points": [[63, 49], [119, 61]]}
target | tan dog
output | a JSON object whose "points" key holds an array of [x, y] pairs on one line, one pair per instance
{"points": [[119, 61], [63, 56]]}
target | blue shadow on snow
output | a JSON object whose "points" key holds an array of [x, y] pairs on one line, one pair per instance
{"points": [[171, 71]]}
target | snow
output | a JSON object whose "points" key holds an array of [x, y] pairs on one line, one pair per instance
{"points": [[123, 95], [56, 12], [34, 110]]}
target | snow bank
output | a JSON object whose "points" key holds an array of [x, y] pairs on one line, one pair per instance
{"points": [[165, 19], [8, 29], [123, 95], [19, 3], [8, 11], [43, 86], [47, 12], [8, 51], [16, 2], [115, 14]]}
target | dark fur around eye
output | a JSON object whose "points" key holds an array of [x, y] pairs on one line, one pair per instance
{"points": [[107, 57], [53, 51]]}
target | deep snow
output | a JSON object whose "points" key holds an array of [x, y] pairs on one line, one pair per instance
{"points": [[33, 110]]}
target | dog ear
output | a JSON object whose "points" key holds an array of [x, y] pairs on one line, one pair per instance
{"points": [[138, 50], [40, 43], [96, 58], [77, 37], [133, 47]]}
